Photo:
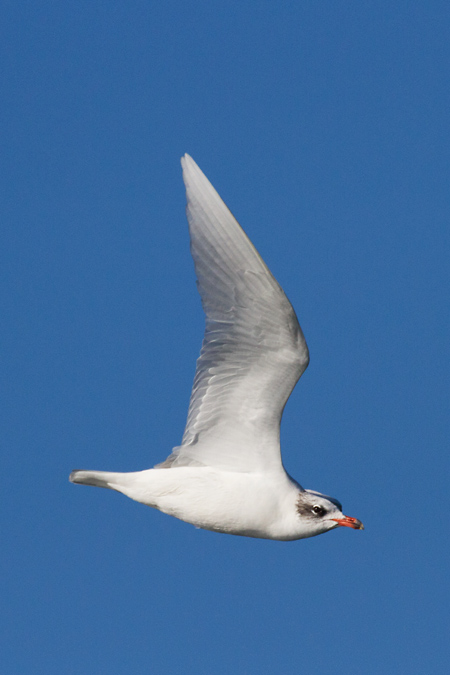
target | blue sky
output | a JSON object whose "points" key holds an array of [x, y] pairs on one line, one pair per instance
{"points": [[324, 126]]}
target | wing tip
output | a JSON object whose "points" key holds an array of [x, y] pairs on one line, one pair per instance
{"points": [[194, 179], [187, 162]]}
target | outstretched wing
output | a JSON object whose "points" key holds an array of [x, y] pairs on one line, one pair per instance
{"points": [[253, 350]]}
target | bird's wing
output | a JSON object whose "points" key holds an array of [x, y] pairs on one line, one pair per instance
{"points": [[253, 350]]}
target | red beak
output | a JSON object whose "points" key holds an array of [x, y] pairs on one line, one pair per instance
{"points": [[347, 521]]}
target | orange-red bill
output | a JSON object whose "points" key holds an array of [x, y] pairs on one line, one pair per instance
{"points": [[347, 521]]}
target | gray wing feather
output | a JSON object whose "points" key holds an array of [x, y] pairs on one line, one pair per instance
{"points": [[253, 349]]}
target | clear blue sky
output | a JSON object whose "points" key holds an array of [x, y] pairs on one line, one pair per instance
{"points": [[325, 127]]}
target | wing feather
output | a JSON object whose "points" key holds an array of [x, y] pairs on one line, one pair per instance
{"points": [[253, 350]]}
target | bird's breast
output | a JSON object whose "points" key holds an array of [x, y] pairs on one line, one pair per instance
{"points": [[235, 503]]}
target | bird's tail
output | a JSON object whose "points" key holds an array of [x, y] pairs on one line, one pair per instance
{"points": [[104, 479]]}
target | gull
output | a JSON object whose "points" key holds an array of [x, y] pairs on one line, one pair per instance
{"points": [[227, 475]]}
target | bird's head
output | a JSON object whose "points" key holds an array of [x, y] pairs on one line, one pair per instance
{"points": [[320, 513]]}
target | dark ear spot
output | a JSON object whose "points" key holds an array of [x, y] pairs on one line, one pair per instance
{"points": [[307, 510]]}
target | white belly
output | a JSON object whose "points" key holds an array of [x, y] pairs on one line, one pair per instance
{"points": [[247, 504]]}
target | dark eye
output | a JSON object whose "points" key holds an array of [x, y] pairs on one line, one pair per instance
{"points": [[318, 510]]}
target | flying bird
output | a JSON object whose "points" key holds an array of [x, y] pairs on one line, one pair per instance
{"points": [[227, 475]]}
